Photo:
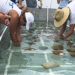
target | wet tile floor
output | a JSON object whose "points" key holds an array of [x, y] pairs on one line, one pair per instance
{"points": [[36, 49]]}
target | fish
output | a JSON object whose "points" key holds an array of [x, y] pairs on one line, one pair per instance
{"points": [[28, 48], [50, 65], [71, 50], [30, 43], [43, 47], [57, 52], [69, 43], [35, 37], [46, 40], [57, 47]]}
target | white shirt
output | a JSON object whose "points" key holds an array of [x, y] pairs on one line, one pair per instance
{"points": [[72, 12], [6, 5]]}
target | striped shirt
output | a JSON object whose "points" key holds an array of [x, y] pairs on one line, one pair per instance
{"points": [[63, 3]]}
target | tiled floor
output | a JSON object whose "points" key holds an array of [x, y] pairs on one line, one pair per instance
{"points": [[29, 62]]}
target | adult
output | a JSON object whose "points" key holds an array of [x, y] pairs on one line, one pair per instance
{"points": [[60, 19], [18, 17]]}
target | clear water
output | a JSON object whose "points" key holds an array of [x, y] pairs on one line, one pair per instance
{"points": [[18, 61]]}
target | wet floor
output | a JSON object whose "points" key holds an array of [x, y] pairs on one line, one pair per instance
{"points": [[36, 49]]}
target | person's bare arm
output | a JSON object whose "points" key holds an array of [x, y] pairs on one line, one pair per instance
{"points": [[62, 30], [71, 30], [13, 26], [58, 1], [4, 19]]}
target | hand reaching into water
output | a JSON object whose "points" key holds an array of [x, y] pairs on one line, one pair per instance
{"points": [[61, 37]]}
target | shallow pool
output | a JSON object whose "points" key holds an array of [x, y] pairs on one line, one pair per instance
{"points": [[36, 49]]}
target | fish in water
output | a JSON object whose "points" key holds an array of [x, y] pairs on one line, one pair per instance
{"points": [[50, 65], [30, 43], [35, 37], [29, 34], [57, 52], [43, 48], [28, 48], [69, 43], [71, 51], [46, 41], [57, 47]]}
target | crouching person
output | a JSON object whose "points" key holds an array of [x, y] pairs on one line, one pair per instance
{"points": [[18, 17], [60, 20]]}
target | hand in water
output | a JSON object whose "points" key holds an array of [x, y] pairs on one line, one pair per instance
{"points": [[61, 37]]}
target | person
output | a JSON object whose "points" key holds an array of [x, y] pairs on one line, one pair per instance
{"points": [[4, 19], [34, 3], [19, 3], [62, 3], [39, 3], [60, 18], [18, 17], [31, 3]]}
